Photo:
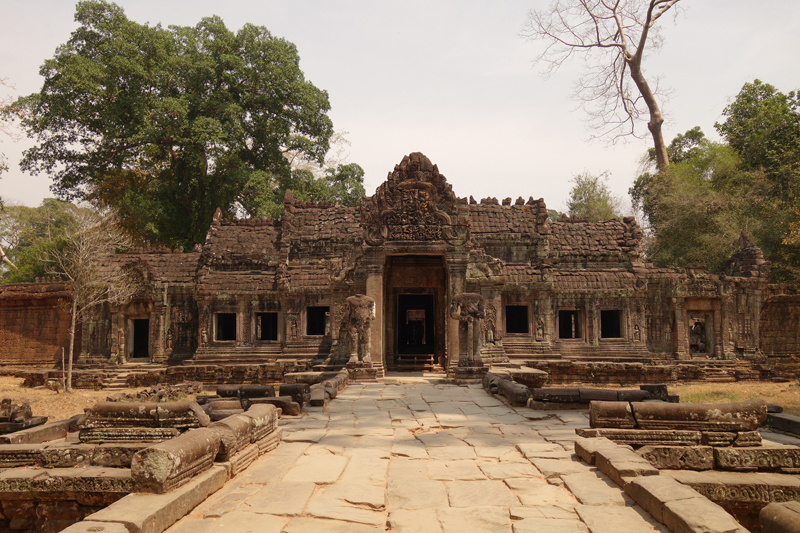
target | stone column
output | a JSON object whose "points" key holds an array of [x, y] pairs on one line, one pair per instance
{"points": [[375, 291], [455, 348], [681, 331]]}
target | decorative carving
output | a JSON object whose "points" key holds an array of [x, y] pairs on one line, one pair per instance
{"points": [[469, 309], [414, 204], [361, 313]]}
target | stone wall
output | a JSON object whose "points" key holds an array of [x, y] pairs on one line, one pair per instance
{"points": [[34, 324], [780, 336]]}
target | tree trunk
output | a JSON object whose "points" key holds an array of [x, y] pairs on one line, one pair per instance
{"points": [[656, 118], [71, 344]]}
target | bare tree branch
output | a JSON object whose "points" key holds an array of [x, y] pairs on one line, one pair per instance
{"points": [[611, 37]]}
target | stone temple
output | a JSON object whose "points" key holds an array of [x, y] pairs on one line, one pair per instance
{"points": [[260, 291]]}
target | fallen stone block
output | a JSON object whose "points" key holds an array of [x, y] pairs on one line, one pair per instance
{"points": [[41, 433], [556, 395], [516, 393], [637, 437], [144, 435], [243, 459], [93, 479], [758, 459], [783, 517], [737, 416], [490, 381], [586, 449], [67, 456], [633, 395], [116, 455], [179, 415], [619, 463], [319, 398], [235, 433], [679, 457], [225, 404], [588, 395], [300, 392], [164, 466], [657, 391], [264, 420], [222, 414], [256, 391], [153, 513], [611, 415], [228, 391], [284, 403], [784, 422], [269, 442]]}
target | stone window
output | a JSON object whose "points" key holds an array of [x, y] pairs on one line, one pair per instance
{"points": [[266, 326], [315, 319], [517, 319], [226, 327], [569, 324], [610, 324]]}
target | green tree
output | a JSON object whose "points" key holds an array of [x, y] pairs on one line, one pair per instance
{"points": [[167, 124], [27, 233], [590, 197]]}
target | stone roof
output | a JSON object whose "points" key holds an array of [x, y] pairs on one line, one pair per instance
{"points": [[164, 266], [309, 277], [248, 240], [335, 223], [612, 237], [214, 282], [521, 273], [503, 219], [594, 281]]}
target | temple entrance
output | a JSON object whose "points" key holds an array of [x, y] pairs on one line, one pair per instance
{"points": [[415, 330], [415, 313], [141, 338]]}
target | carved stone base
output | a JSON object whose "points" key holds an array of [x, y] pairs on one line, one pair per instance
{"points": [[673, 437], [468, 375], [361, 371]]}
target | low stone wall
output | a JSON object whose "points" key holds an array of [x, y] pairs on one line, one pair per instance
{"points": [[617, 373]]}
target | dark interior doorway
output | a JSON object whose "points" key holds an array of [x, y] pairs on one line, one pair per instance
{"points": [[141, 338], [415, 330]]}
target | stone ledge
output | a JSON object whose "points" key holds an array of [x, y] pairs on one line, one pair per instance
{"points": [[153, 513], [618, 463]]}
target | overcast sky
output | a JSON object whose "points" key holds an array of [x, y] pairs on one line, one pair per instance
{"points": [[454, 80]]}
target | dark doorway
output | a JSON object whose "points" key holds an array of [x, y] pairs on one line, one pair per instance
{"points": [[415, 331], [267, 326], [610, 324], [517, 319], [226, 327], [315, 319], [141, 338], [569, 325]]}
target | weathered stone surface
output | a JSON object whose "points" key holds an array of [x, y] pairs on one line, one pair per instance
{"points": [[474, 520], [15, 455], [679, 457], [618, 463], [613, 519], [303, 524], [757, 459], [143, 435], [611, 415], [153, 513], [592, 488], [586, 449], [263, 420], [235, 433], [699, 515], [180, 415], [419, 494], [317, 469], [556, 395], [300, 392], [284, 403], [414, 521], [538, 492], [635, 437], [550, 525], [781, 517], [482, 492], [225, 404], [490, 381], [84, 480], [88, 526], [737, 416], [167, 465], [42, 433], [281, 498], [784, 422], [516, 393], [360, 503], [652, 492]]}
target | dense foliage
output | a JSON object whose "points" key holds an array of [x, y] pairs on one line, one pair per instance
{"points": [[164, 125], [711, 192], [590, 197]]}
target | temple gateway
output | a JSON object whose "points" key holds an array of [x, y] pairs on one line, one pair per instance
{"points": [[264, 290]]}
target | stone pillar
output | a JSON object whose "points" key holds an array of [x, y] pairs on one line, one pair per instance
{"points": [[681, 331], [375, 291], [455, 348]]}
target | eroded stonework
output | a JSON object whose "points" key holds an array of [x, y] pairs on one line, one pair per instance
{"points": [[263, 291]]}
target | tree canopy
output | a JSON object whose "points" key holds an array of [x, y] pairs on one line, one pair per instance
{"points": [[590, 197], [166, 124]]}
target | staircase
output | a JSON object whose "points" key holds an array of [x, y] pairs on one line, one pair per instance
{"points": [[416, 363], [235, 356], [607, 351]]}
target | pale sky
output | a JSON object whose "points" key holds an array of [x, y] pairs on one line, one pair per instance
{"points": [[454, 80]]}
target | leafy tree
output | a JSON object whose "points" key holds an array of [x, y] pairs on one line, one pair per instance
{"points": [[611, 37], [590, 197], [167, 124], [27, 233]]}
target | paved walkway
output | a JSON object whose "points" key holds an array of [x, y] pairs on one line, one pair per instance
{"points": [[421, 457]]}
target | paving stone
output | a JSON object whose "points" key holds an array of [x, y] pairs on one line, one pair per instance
{"points": [[317, 525], [501, 453], [549, 525], [337, 443], [474, 520], [613, 519], [304, 435], [454, 470], [371, 453], [565, 512], [437, 440], [558, 467], [472, 493], [699, 515], [540, 449], [230, 501], [414, 450], [509, 470], [594, 488], [652, 492], [537, 492], [366, 470], [418, 521], [451, 453], [243, 522], [282, 498], [419, 494], [363, 504], [317, 468], [618, 463], [402, 468]]}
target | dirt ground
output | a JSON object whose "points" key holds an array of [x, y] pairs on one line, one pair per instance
{"points": [[59, 406]]}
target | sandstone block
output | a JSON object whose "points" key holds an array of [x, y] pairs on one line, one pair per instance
{"points": [[285, 403], [757, 459], [162, 467], [618, 463], [611, 415], [586, 449], [783, 517], [679, 457]]}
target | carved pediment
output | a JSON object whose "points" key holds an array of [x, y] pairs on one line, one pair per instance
{"points": [[415, 203]]}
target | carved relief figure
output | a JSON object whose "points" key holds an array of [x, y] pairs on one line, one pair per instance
{"points": [[169, 339], [637, 333], [469, 309], [539, 330], [361, 314]]}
